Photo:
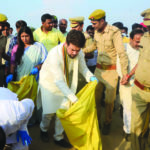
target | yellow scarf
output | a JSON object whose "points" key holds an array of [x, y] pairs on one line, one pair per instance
{"points": [[66, 67]]}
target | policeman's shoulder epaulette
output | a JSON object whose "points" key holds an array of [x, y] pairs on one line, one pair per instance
{"points": [[115, 29]]}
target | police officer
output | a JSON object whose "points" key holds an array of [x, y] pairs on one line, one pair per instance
{"points": [[77, 23], [108, 42], [141, 92]]}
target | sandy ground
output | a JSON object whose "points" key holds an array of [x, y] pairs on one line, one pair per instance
{"points": [[114, 141]]}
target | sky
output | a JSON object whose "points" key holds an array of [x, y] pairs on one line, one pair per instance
{"points": [[125, 11]]}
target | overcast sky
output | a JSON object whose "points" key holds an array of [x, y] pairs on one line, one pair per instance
{"points": [[126, 11]]}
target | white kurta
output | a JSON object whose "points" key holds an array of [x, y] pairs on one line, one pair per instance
{"points": [[52, 83], [14, 115], [125, 90]]}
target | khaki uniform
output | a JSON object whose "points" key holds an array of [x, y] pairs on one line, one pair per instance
{"points": [[81, 80], [141, 98], [108, 43]]}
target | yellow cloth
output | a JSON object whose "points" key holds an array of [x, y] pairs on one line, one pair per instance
{"points": [[49, 40], [66, 64], [3, 18], [80, 121], [126, 39], [25, 88]]}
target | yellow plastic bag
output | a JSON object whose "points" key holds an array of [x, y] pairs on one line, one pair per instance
{"points": [[80, 121], [25, 88]]}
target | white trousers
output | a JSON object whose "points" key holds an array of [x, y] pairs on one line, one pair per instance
{"points": [[45, 123], [126, 101]]}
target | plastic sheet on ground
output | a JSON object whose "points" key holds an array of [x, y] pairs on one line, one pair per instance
{"points": [[80, 120]]}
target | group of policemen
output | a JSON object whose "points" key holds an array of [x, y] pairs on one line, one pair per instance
{"points": [[108, 41]]}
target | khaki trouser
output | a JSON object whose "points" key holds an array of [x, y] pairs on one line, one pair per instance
{"points": [[140, 101], [107, 79]]}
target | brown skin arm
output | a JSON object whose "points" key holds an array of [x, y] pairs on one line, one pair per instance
{"points": [[133, 71], [12, 68], [127, 77]]}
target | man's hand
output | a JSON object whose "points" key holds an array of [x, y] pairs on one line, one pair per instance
{"points": [[66, 104], [9, 78], [93, 78], [34, 71], [125, 79]]}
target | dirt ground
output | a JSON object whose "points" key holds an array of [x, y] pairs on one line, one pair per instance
{"points": [[114, 141]]}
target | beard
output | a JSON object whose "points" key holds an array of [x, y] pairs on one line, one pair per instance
{"points": [[72, 57]]}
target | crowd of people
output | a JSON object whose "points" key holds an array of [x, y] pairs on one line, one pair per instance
{"points": [[63, 62]]}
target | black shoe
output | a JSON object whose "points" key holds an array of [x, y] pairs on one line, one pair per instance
{"points": [[121, 111], [106, 129], [63, 143], [44, 136], [127, 137]]}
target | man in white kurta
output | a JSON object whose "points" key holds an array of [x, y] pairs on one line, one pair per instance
{"points": [[125, 89], [14, 117], [54, 90]]}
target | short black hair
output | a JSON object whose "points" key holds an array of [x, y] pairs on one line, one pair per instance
{"points": [[136, 25], [21, 23], [126, 29], [55, 20], [7, 24], [89, 28], [104, 18], [46, 16], [2, 139], [76, 38], [81, 23], [118, 25], [134, 32]]}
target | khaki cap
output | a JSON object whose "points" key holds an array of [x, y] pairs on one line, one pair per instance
{"points": [[3, 18], [75, 21], [97, 14], [146, 15]]}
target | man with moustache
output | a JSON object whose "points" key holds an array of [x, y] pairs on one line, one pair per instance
{"points": [[108, 42], [46, 34], [132, 49]]}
